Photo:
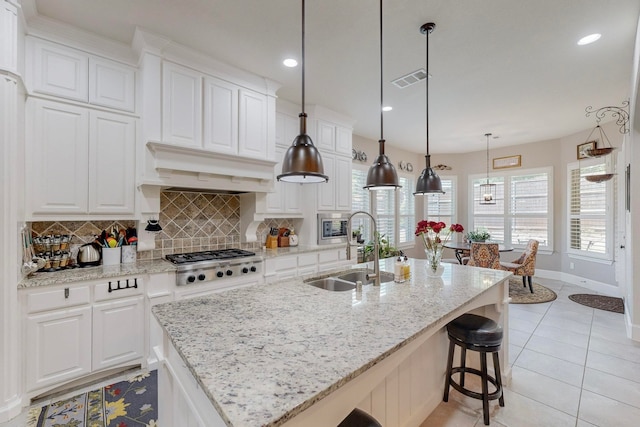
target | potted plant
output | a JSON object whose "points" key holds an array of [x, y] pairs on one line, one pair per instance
{"points": [[385, 250], [480, 235], [357, 235]]}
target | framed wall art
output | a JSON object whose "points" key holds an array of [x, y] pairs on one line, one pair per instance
{"points": [[582, 149], [507, 162]]}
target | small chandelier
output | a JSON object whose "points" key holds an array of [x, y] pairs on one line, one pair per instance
{"points": [[382, 174], [488, 191]]}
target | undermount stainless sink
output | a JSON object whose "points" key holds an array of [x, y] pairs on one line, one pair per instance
{"points": [[346, 281], [333, 284], [354, 276]]}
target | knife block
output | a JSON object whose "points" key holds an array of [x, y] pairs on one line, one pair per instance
{"points": [[272, 242], [283, 241]]}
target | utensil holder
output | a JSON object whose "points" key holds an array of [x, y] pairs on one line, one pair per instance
{"points": [[129, 254], [111, 256]]}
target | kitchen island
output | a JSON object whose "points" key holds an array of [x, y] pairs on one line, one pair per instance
{"points": [[292, 354]]}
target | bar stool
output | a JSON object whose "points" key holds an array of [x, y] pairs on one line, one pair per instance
{"points": [[359, 418], [476, 333]]}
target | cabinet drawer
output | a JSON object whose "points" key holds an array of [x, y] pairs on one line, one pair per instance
{"points": [[305, 260], [120, 288], [328, 256], [284, 263], [59, 298]]}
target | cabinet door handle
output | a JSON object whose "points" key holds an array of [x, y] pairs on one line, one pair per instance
{"points": [[66, 293], [135, 283], [110, 287]]}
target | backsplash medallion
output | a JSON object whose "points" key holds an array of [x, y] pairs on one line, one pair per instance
{"points": [[190, 221]]}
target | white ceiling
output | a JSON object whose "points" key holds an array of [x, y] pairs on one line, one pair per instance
{"points": [[510, 67]]}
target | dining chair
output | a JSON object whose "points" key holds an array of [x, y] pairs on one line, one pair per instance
{"points": [[524, 266], [485, 255]]}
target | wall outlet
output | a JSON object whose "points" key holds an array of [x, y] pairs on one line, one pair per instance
{"points": [[571, 266]]}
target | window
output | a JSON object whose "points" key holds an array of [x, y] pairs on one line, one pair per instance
{"points": [[523, 208], [406, 211], [442, 207], [590, 217], [394, 210]]}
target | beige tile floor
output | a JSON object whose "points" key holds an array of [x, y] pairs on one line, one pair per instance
{"points": [[571, 366]]}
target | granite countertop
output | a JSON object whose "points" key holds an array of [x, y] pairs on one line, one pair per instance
{"points": [[93, 273], [264, 354]]}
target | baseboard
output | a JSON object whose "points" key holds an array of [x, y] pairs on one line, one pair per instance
{"points": [[633, 330], [10, 409], [592, 285]]}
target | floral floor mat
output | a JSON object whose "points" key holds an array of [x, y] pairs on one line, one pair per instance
{"points": [[129, 403]]}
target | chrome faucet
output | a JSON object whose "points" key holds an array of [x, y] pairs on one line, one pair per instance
{"points": [[376, 266]]}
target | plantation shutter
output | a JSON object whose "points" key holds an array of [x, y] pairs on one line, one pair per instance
{"points": [[587, 211]]}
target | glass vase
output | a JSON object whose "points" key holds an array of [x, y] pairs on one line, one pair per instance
{"points": [[434, 267]]}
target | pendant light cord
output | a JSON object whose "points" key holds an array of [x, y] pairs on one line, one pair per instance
{"points": [[303, 61], [488, 135], [426, 34], [381, 80]]}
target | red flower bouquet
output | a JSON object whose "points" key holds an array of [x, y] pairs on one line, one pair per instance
{"points": [[434, 242]]}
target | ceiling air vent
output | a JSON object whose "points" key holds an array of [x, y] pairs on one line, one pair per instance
{"points": [[411, 78]]}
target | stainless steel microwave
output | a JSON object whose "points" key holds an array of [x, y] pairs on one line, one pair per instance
{"points": [[332, 228]]}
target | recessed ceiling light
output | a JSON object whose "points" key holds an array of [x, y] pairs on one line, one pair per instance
{"points": [[387, 108], [290, 62], [589, 39]]}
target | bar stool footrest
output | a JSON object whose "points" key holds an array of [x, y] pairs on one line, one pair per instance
{"points": [[492, 396]]}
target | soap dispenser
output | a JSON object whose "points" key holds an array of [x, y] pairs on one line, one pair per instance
{"points": [[398, 276]]}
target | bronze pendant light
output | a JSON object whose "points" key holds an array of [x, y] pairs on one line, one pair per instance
{"points": [[382, 174], [302, 162], [488, 191], [429, 182]]}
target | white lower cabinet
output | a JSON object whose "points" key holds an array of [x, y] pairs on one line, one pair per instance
{"points": [[57, 346], [78, 330], [289, 266], [117, 329]]}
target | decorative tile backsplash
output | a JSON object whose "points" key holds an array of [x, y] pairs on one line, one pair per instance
{"points": [[190, 222]]}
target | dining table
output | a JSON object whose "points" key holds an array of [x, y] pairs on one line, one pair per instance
{"points": [[460, 248]]}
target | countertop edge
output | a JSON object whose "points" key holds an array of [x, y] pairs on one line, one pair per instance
{"points": [[95, 273]]}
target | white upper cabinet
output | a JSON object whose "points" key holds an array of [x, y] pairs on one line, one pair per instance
{"points": [[111, 84], [57, 70], [343, 140], [81, 161], [181, 105], [252, 137], [326, 190], [61, 71], [333, 138], [335, 195], [221, 117], [342, 183], [111, 163], [325, 136], [334, 141], [57, 142], [234, 119]]}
